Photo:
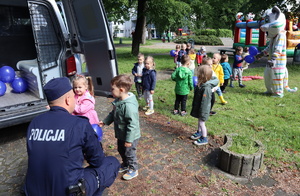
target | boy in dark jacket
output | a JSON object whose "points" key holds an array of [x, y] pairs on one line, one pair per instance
{"points": [[137, 71]]}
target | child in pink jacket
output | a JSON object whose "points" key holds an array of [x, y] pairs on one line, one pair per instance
{"points": [[84, 96]]}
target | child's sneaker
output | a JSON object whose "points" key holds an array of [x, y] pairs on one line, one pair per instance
{"points": [[183, 113], [175, 112], [196, 136], [123, 169], [130, 174], [231, 85], [224, 102], [242, 85], [149, 112], [201, 141], [212, 113], [146, 108]]}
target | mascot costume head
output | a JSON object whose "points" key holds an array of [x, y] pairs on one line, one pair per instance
{"points": [[276, 73]]}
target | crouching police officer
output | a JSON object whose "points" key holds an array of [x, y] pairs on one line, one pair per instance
{"points": [[58, 143]]}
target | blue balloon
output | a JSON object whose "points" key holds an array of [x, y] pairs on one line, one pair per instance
{"points": [[172, 53], [249, 59], [253, 50], [19, 85], [195, 81], [2, 88], [98, 130], [7, 74]]}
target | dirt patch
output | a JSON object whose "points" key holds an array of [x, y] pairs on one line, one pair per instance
{"points": [[169, 164]]}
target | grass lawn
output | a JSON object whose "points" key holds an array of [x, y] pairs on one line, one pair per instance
{"points": [[250, 113]]}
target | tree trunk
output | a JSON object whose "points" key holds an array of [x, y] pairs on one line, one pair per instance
{"points": [[139, 28]]}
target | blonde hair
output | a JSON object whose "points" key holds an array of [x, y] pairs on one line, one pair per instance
{"points": [[87, 81], [205, 60], [204, 74], [150, 58], [122, 81], [218, 55], [140, 55]]}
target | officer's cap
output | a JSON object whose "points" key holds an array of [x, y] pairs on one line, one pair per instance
{"points": [[56, 88]]}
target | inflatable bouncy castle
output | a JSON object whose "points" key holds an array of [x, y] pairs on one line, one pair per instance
{"points": [[248, 33]]}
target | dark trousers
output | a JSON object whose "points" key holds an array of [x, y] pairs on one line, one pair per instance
{"points": [[180, 99], [97, 179], [128, 154], [225, 84], [213, 99], [139, 89]]}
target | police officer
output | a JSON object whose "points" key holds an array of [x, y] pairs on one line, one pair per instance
{"points": [[58, 143]]}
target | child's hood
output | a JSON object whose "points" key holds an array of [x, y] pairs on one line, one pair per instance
{"points": [[130, 99], [213, 82], [182, 72]]}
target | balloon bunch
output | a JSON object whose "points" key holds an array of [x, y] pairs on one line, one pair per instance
{"points": [[8, 75], [253, 52]]}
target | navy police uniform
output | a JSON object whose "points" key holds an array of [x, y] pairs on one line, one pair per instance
{"points": [[57, 144]]}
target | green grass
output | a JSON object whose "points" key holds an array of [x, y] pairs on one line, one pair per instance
{"points": [[249, 113], [243, 145]]}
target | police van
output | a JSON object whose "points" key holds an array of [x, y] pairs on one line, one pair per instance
{"points": [[41, 40]]}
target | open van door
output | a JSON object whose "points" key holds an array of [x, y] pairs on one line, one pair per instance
{"points": [[90, 35]]}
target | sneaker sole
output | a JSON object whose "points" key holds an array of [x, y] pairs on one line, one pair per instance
{"points": [[131, 177], [200, 144], [195, 138]]}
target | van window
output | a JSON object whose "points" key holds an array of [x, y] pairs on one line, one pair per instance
{"points": [[48, 44]]}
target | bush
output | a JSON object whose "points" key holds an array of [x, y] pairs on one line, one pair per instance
{"points": [[216, 32], [199, 40]]}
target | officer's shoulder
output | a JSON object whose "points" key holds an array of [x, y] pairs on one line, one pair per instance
{"points": [[81, 119]]}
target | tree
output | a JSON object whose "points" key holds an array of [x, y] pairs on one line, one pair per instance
{"points": [[140, 26]]}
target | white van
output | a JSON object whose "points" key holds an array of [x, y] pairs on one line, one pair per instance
{"points": [[40, 44]]}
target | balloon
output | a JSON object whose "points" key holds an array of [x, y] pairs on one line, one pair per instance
{"points": [[249, 59], [19, 85], [7, 74], [98, 130], [253, 50], [2, 88], [195, 81], [172, 53]]}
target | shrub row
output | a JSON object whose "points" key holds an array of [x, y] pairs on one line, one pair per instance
{"points": [[215, 32], [199, 40]]}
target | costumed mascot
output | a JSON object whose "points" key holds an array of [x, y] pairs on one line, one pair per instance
{"points": [[276, 73]]}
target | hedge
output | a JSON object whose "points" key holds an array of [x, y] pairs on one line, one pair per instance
{"points": [[199, 40]]}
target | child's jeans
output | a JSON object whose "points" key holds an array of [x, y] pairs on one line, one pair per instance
{"points": [[219, 92], [128, 154]]}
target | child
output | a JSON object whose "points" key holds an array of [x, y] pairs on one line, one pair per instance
{"points": [[208, 61], [201, 102], [137, 72], [245, 53], [227, 71], [176, 55], [84, 97], [217, 68], [184, 84], [192, 56], [200, 55], [125, 116], [237, 68], [149, 83], [181, 53]]}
